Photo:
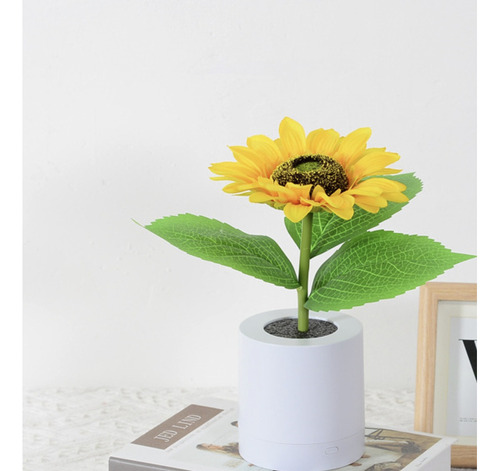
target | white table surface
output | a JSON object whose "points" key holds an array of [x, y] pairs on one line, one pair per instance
{"points": [[78, 429]]}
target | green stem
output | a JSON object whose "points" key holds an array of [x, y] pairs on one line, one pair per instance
{"points": [[305, 257]]}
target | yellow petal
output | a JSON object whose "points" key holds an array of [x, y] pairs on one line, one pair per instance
{"points": [[292, 137], [233, 171], [395, 197], [249, 158], [352, 146], [260, 197], [309, 202], [238, 187], [369, 208], [338, 200], [278, 192], [312, 140], [296, 212], [266, 147], [285, 195], [358, 173], [384, 171], [373, 162], [384, 184], [367, 191], [344, 213], [323, 142], [302, 191], [377, 201], [279, 144]]}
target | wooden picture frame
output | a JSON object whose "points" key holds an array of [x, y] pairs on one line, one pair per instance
{"points": [[448, 311]]}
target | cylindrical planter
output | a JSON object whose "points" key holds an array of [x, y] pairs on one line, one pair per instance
{"points": [[301, 401]]}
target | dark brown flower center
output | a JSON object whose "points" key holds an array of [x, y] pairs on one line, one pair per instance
{"points": [[312, 170]]}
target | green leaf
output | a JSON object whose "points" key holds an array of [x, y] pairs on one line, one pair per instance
{"points": [[212, 240], [378, 265], [329, 230]]}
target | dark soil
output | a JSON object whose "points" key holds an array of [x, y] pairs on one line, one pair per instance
{"points": [[288, 328]]}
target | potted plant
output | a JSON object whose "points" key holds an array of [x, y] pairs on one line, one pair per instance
{"points": [[301, 377]]}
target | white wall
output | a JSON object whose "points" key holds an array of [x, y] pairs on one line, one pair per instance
{"points": [[127, 102]]}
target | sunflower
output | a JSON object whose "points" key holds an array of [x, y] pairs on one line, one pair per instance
{"points": [[318, 172]]}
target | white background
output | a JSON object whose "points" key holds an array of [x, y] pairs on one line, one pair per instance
{"points": [[126, 104]]}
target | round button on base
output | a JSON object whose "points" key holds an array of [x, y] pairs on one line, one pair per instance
{"points": [[331, 450]]}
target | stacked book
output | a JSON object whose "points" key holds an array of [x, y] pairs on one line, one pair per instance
{"points": [[204, 437]]}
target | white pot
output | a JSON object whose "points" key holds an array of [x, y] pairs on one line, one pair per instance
{"points": [[301, 401]]}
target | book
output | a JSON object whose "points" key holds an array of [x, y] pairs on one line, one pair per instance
{"points": [[204, 437]]}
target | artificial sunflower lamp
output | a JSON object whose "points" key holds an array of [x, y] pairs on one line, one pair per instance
{"points": [[301, 393]]}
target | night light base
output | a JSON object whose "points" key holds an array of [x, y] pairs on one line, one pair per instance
{"points": [[301, 401]]}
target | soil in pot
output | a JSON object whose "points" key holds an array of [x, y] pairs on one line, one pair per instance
{"points": [[288, 328]]}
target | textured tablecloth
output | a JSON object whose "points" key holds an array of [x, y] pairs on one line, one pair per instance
{"points": [[78, 429]]}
